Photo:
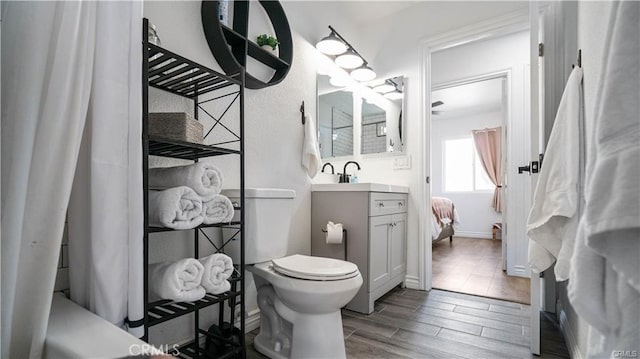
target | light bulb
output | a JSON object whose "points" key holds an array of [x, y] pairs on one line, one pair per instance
{"points": [[331, 45], [384, 88], [363, 73], [349, 60]]}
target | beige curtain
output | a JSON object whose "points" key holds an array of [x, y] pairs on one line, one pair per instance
{"points": [[489, 146]]}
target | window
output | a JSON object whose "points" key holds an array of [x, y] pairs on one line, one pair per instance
{"points": [[463, 171]]}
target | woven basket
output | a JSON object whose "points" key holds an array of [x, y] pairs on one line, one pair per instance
{"points": [[175, 126]]}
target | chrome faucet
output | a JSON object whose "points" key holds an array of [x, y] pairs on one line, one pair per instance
{"points": [[344, 177], [330, 165]]}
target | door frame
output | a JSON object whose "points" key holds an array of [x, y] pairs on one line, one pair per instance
{"points": [[499, 26]]}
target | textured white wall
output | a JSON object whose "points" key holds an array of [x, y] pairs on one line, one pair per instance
{"points": [[273, 134], [474, 208]]}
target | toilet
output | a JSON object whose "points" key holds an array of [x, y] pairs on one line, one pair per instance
{"points": [[299, 296]]}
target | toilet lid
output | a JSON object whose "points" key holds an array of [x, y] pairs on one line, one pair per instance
{"points": [[314, 268]]}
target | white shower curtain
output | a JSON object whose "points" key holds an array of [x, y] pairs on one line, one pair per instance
{"points": [[47, 51], [48, 78], [105, 211]]}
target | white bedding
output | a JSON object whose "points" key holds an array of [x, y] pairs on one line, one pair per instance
{"points": [[436, 228]]}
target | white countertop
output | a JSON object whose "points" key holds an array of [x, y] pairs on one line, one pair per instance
{"points": [[358, 187]]}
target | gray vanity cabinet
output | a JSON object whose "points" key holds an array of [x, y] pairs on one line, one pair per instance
{"points": [[376, 224]]}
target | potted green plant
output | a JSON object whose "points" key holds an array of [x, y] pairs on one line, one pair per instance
{"points": [[268, 41]]}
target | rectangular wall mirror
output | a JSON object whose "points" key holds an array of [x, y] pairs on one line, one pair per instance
{"points": [[372, 112], [335, 124]]}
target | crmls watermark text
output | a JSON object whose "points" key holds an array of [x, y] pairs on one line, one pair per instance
{"points": [[625, 353], [148, 349]]}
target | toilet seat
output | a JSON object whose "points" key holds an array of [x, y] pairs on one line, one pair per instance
{"points": [[315, 268]]}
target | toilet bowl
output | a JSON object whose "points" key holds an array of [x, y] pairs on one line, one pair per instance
{"points": [[299, 296]]}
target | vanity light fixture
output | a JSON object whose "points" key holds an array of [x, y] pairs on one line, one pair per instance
{"points": [[331, 45], [384, 88], [346, 56], [363, 73], [393, 95], [349, 60]]}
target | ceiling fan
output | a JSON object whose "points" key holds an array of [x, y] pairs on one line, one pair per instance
{"points": [[436, 104]]}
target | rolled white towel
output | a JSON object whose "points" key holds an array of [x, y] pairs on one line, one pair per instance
{"points": [[218, 268], [177, 208], [178, 281], [217, 210], [204, 178]]}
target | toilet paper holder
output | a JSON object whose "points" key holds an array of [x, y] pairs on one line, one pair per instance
{"points": [[344, 240]]}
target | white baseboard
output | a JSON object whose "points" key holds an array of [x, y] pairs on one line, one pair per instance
{"points": [[412, 282], [569, 336], [252, 321], [470, 234]]}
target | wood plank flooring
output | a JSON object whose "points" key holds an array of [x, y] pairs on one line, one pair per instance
{"points": [[441, 324], [474, 266]]}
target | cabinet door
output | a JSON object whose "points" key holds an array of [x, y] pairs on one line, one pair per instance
{"points": [[379, 262], [398, 245]]}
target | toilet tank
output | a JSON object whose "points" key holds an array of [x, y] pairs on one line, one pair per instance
{"points": [[267, 220]]}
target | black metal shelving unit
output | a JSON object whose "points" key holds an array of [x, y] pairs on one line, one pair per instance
{"points": [[170, 72]]}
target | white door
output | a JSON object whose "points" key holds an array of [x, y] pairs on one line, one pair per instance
{"points": [[537, 136]]}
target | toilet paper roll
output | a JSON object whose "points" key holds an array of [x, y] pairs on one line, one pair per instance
{"points": [[334, 233]]}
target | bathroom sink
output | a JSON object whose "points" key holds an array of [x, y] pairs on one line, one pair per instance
{"points": [[361, 187]]}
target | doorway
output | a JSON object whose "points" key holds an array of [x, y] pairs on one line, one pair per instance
{"points": [[499, 52], [469, 118]]}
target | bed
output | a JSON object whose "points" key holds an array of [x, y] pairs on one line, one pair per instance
{"points": [[444, 217]]}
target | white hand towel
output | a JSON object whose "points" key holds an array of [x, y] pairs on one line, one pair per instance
{"points": [[204, 178], [218, 268], [178, 281], [177, 208], [217, 210], [556, 198], [311, 160]]}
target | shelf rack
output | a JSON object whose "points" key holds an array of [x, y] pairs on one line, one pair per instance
{"points": [[170, 72], [231, 46]]}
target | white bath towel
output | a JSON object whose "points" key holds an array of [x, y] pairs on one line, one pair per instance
{"points": [[604, 286], [218, 268], [177, 208], [557, 194], [217, 210], [178, 281], [311, 160], [204, 178]]}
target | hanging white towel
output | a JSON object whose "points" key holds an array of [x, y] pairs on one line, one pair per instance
{"points": [[178, 281], [218, 268], [552, 222], [604, 286], [203, 177], [217, 210], [311, 160], [177, 208]]}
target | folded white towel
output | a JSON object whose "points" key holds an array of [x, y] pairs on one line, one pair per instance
{"points": [[204, 178], [217, 210], [218, 268], [177, 208], [311, 160], [178, 281]]}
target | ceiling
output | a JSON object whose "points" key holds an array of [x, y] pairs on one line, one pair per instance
{"points": [[473, 97]]}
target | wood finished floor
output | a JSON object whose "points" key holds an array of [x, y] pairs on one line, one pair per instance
{"points": [[440, 324], [474, 266]]}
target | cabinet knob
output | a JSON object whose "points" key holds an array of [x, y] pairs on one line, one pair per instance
{"points": [[380, 204], [400, 204]]}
